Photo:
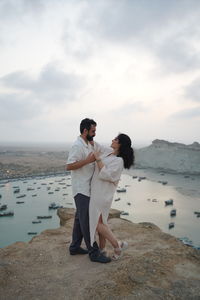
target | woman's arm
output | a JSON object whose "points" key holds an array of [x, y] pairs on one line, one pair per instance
{"points": [[100, 164]]}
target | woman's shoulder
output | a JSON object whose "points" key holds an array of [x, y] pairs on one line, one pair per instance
{"points": [[118, 160]]}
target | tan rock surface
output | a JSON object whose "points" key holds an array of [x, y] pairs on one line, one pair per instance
{"points": [[155, 265]]}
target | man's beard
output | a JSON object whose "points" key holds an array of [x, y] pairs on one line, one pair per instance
{"points": [[89, 138]]}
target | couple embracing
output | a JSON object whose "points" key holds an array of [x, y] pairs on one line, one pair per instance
{"points": [[96, 171]]}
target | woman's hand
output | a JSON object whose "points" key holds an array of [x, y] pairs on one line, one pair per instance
{"points": [[97, 155]]}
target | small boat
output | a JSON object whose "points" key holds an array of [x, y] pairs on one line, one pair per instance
{"points": [[21, 196], [50, 193], [186, 241], [57, 190], [44, 217], [121, 190], [36, 222], [16, 191], [164, 182], [117, 199], [7, 214], [173, 213], [65, 194], [171, 225], [19, 202], [142, 177], [32, 233], [3, 207], [0, 196], [53, 205], [30, 189], [123, 213], [134, 177], [169, 202], [34, 195]]}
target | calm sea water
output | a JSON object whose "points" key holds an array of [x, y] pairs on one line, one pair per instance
{"points": [[137, 202]]}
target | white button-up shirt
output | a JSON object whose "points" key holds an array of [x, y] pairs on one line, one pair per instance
{"points": [[81, 178]]}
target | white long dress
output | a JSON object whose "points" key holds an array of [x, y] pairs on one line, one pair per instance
{"points": [[103, 186]]}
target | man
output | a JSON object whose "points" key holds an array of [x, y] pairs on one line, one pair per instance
{"points": [[81, 163]]}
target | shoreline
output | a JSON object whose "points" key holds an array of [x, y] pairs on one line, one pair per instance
{"points": [[33, 176], [129, 172]]}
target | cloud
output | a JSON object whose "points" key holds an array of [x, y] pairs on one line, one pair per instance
{"points": [[190, 113], [16, 107], [168, 30], [192, 92], [10, 9], [131, 108], [52, 85]]}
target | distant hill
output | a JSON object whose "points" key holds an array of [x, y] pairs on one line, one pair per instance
{"points": [[172, 157]]}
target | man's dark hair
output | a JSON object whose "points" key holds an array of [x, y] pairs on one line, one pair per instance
{"points": [[86, 124]]}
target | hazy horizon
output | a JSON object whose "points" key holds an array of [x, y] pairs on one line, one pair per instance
{"points": [[65, 145]]}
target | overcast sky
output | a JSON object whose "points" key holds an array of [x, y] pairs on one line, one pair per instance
{"points": [[132, 65]]}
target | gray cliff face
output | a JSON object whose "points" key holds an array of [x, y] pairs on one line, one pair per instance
{"points": [[172, 157]]}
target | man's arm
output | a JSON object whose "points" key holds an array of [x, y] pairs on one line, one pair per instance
{"points": [[79, 164]]}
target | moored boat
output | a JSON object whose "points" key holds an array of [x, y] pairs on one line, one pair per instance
{"points": [[121, 190], [7, 214], [44, 217]]}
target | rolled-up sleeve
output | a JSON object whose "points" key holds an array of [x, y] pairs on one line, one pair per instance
{"points": [[102, 148], [112, 171], [75, 154]]}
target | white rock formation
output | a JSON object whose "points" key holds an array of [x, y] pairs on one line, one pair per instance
{"points": [[172, 157]]}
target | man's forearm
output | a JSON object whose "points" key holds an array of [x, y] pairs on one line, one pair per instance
{"points": [[76, 165]]}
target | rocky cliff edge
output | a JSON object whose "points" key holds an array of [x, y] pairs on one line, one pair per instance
{"points": [[155, 265]]}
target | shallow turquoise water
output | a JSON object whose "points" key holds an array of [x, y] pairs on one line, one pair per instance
{"points": [[139, 195]]}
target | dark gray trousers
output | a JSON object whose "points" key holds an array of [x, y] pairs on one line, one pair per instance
{"points": [[81, 223]]}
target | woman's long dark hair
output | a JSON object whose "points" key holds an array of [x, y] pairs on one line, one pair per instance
{"points": [[126, 152]]}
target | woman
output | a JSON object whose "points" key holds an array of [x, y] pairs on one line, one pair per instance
{"points": [[108, 168]]}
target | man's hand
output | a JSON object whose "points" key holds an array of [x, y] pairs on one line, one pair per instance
{"points": [[79, 164], [90, 158]]}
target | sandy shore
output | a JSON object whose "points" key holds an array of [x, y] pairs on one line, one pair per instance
{"points": [[25, 162]]}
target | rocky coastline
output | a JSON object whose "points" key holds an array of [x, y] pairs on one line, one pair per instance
{"points": [[170, 157], [155, 265], [161, 155]]}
